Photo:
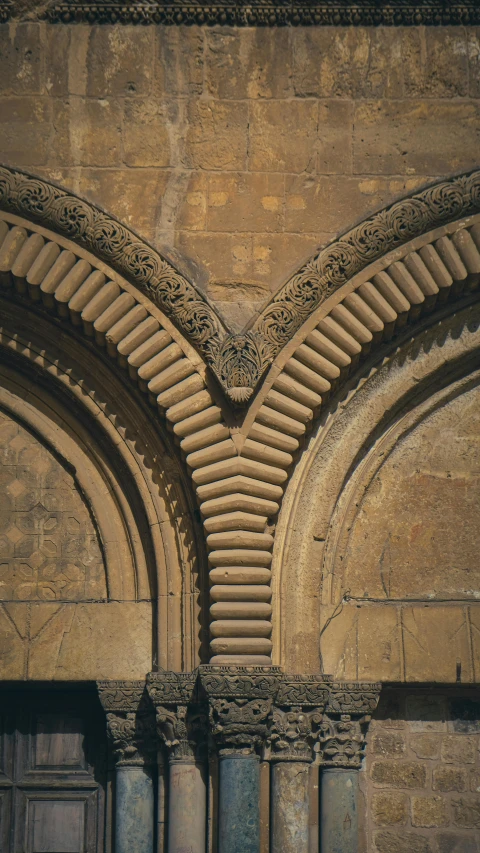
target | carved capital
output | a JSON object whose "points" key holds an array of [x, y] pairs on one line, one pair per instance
{"points": [[130, 724], [181, 721], [297, 716], [240, 704], [342, 731]]}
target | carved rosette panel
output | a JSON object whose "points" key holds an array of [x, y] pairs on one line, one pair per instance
{"points": [[240, 705], [130, 726], [297, 716], [342, 732]]}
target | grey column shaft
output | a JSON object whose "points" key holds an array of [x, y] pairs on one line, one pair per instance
{"points": [[239, 813], [339, 810], [134, 817], [187, 808], [290, 807]]}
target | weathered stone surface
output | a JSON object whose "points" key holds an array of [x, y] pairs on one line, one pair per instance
{"points": [[180, 65], [146, 140], [389, 809], [427, 64], [397, 137], [425, 746], [248, 63], [466, 812], [449, 779], [452, 842], [245, 202], [407, 842], [347, 63], [24, 138], [400, 774], [458, 749], [20, 59], [429, 811], [283, 136], [216, 135], [120, 61], [388, 743]]}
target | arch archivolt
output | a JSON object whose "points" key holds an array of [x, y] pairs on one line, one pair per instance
{"points": [[239, 464], [366, 566]]}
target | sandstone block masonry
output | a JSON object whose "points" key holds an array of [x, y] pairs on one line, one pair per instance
{"points": [[239, 151], [422, 775]]}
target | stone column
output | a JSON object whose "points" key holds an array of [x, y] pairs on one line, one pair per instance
{"points": [[182, 726], [240, 705], [131, 729], [341, 741], [296, 719]]}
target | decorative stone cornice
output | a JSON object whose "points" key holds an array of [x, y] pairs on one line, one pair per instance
{"points": [[262, 13], [130, 725], [240, 705], [237, 361], [342, 732]]}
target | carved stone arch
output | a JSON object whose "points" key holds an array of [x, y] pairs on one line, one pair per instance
{"points": [[355, 294], [337, 326], [376, 574], [85, 327]]}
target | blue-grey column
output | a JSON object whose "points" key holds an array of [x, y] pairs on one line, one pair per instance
{"points": [[239, 813], [339, 810], [134, 807]]}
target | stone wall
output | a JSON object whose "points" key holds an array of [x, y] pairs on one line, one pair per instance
{"points": [[422, 774], [239, 151]]}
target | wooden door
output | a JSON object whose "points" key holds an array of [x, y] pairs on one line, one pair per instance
{"points": [[52, 772]]}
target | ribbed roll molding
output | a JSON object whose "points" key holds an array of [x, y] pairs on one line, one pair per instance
{"points": [[239, 476]]}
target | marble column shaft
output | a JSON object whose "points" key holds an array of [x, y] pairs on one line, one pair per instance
{"points": [[131, 729]]}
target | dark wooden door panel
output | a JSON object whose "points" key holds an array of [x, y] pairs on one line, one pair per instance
{"points": [[56, 821], [5, 818], [52, 772]]}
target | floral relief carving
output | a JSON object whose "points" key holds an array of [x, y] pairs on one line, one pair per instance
{"points": [[238, 361]]}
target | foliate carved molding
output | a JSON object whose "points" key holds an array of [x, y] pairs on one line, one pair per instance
{"points": [[130, 725], [240, 704], [273, 13], [342, 731], [343, 258], [112, 242], [238, 361], [297, 716]]}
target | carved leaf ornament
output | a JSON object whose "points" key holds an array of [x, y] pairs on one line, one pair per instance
{"points": [[238, 361]]}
